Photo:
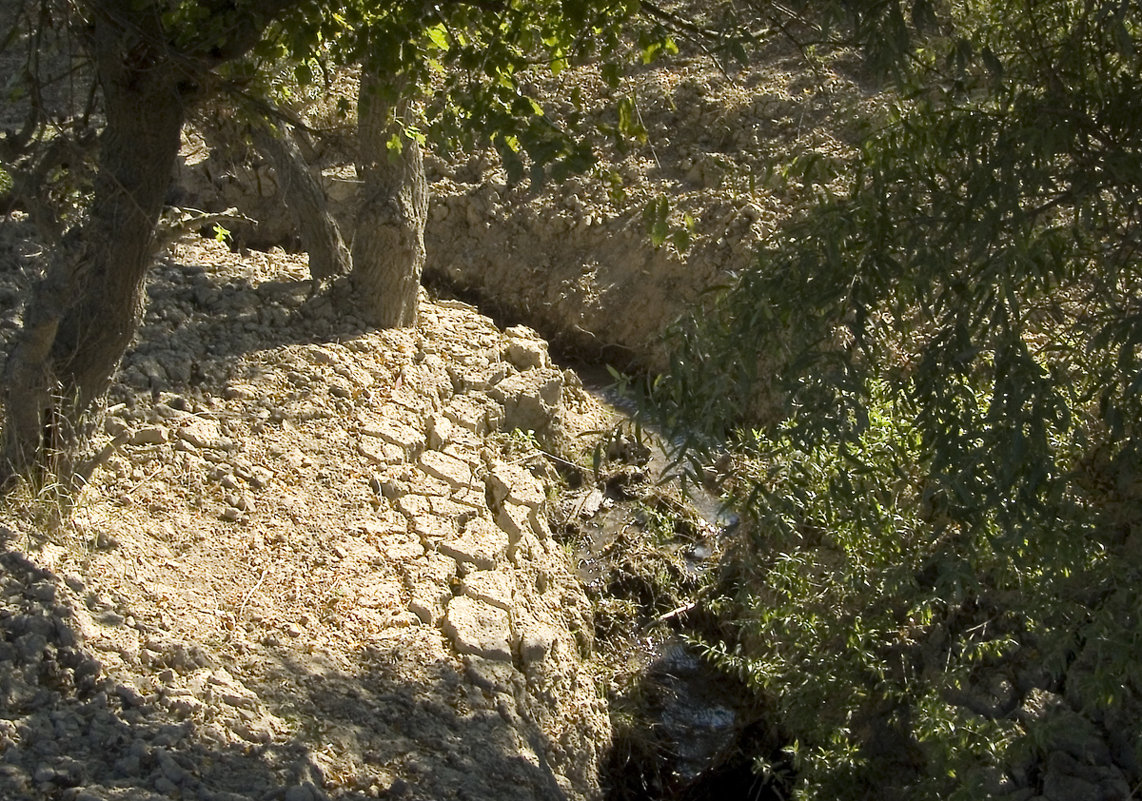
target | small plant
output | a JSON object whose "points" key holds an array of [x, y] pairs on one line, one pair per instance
{"points": [[658, 218], [41, 510]]}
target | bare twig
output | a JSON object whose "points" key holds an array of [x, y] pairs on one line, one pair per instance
{"points": [[169, 232], [677, 21], [250, 593]]}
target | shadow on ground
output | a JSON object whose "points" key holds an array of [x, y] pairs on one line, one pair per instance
{"points": [[69, 730]]}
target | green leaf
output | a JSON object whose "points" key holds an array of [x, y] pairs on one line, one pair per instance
{"points": [[438, 36], [611, 74], [681, 239], [630, 123], [303, 73]]}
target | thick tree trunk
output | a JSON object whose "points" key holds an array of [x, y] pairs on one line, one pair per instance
{"points": [[320, 236], [388, 246], [84, 312]]}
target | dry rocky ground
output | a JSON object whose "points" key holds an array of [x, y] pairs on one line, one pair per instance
{"points": [[318, 563], [314, 567], [574, 259]]}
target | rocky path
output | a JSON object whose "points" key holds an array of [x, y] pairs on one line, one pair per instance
{"points": [[313, 569]]}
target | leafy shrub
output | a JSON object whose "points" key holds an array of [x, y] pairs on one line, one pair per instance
{"points": [[896, 642], [934, 383]]}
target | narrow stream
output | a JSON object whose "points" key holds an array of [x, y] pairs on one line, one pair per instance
{"points": [[683, 730]]}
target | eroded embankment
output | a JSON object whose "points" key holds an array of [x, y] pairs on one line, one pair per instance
{"points": [[314, 568]]}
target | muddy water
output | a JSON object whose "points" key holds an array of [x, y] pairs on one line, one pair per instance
{"points": [[683, 730]]}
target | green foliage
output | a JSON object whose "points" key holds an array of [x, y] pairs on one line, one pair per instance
{"points": [[867, 614], [656, 216], [470, 65], [935, 381], [630, 121]]}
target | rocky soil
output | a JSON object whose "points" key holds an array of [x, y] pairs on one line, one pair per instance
{"points": [[318, 563], [577, 255], [718, 142], [313, 567]]}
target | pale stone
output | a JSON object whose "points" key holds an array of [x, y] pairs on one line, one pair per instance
{"points": [[474, 413], [515, 521], [429, 581], [446, 468], [403, 547], [441, 431], [491, 587], [460, 507], [432, 530], [260, 477], [491, 675], [468, 455], [480, 544], [536, 643], [380, 452], [201, 433], [478, 628], [150, 435], [531, 399], [515, 484], [473, 496], [525, 349], [406, 438], [469, 378], [413, 506], [321, 355]]}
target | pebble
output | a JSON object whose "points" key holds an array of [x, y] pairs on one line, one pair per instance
{"points": [[150, 435], [304, 792], [260, 477]]}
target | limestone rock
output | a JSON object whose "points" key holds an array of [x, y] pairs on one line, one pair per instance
{"points": [[481, 544], [447, 468], [525, 349], [408, 441], [478, 628], [201, 433], [515, 484], [531, 400], [150, 435], [475, 413], [429, 585], [490, 586]]}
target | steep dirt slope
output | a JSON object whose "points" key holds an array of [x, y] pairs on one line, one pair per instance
{"points": [[575, 259], [578, 256]]}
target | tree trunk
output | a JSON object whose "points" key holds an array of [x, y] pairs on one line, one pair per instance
{"points": [[320, 236], [388, 246], [84, 312]]}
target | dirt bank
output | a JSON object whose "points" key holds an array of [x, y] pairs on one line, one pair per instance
{"points": [[314, 568]]}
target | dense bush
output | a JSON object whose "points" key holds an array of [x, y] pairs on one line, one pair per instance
{"points": [[933, 381]]}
